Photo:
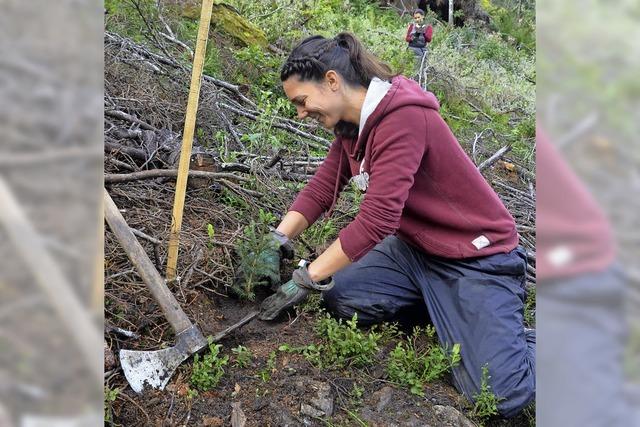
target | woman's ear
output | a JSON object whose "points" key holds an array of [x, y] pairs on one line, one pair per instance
{"points": [[333, 80]]}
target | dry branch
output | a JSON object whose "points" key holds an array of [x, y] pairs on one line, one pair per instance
{"points": [[112, 178], [494, 158]]}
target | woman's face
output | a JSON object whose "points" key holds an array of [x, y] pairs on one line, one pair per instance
{"points": [[318, 100], [419, 18]]}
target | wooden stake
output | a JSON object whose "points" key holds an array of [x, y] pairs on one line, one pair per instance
{"points": [[187, 141]]}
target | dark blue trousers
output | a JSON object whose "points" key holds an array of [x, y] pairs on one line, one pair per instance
{"points": [[477, 303]]}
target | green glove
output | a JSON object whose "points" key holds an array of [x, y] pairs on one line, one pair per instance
{"points": [[292, 293], [288, 295]]}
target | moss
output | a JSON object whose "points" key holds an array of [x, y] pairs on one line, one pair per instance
{"points": [[227, 19]]}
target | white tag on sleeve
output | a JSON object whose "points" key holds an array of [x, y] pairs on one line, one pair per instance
{"points": [[481, 242]]}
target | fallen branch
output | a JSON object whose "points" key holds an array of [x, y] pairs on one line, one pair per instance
{"points": [[491, 160], [145, 236], [111, 178], [135, 153], [116, 114]]}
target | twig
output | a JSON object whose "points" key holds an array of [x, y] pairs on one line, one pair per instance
{"points": [[194, 264], [122, 165], [275, 159], [129, 334], [145, 236]]}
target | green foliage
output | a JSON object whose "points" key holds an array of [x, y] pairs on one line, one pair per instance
{"points": [[123, 17], [346, 345], [256, 251], [211, 232], [262, 67], [191, 393], [343, 344], [208, 370], [321, 232], [530, 307], [212, 61], [514, 23], [530, 414], [312, 304], [270, 367], [242, 356], [356, 395], [231, 199], [110, 396], [414, 367], [486, 403]]}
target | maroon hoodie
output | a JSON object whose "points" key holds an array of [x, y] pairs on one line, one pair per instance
{"points": [[422, 187]]}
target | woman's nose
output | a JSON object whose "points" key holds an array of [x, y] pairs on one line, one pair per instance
{"points": [[302, 113]]}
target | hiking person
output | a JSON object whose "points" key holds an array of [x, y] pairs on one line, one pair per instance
{"points": [[418, 36], [431, 241]]}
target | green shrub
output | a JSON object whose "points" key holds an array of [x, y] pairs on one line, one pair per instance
{"points": [[242, 356], [208, 370], [110, 396], [414, 367], [270, 367], [253, 250], [486, 403], [343, 344]]}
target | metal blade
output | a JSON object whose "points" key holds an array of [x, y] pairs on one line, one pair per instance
{"points": [[153, 368]]}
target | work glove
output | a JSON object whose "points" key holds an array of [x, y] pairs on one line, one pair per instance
{"points": [[292, 293], [270, 258]]}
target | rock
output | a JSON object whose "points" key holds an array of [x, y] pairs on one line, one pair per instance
{"points": [[238, 419], [382, 397], [324, 398], [311, 411], [286, 419], [414, 421], [449, 416], [374, 419], [212, 421]]}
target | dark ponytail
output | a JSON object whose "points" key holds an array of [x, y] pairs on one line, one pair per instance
{"points": [[345, 54]]}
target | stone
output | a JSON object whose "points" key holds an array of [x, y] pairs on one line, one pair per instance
{"points": [[383, 397], [238, 419], [311, 411], [324, 398], [449, 416]]}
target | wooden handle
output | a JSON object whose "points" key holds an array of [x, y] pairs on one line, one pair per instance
{"points": [[187, 140], [156, 284]]}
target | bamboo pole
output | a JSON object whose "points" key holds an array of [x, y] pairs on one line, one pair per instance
{"points": [[187, 140]]}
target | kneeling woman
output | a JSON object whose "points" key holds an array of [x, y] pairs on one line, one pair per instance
{"points": [[431, 238]]}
